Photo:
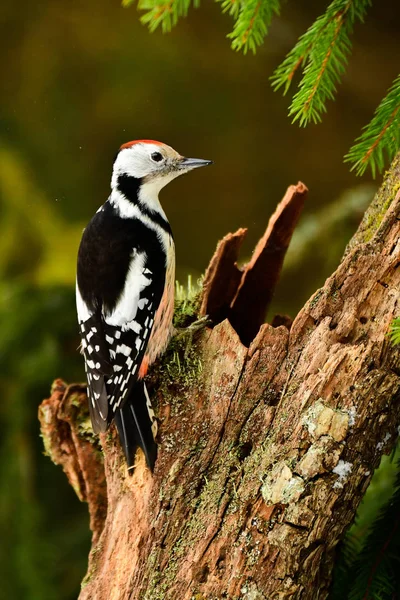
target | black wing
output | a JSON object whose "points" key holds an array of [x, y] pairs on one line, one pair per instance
{"points": [[121, 275]]}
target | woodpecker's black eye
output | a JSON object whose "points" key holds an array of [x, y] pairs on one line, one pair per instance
{"points": [[157, 156]]}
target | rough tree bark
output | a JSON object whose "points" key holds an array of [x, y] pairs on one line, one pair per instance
{"points": [[265, 451]]}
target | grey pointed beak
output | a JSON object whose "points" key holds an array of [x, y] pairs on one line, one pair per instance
{"points": [[193, 163]]}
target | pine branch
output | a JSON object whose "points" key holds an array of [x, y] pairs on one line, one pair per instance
{"points": [[323, 51], [283, 75], [375, 572], [164, 13], [367, 566], [343, 573], [253, 20], [232, 7], [367, 561], [380, 137], [394, 332]]}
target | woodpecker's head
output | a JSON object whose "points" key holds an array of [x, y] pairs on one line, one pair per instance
{"points": [[151, 164]]}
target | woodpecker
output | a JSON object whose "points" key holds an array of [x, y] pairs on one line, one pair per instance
{"points": [[125, 292]]}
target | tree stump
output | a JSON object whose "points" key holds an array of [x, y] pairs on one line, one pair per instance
{"points": [[268, 435]]}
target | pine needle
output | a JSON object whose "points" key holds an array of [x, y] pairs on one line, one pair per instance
{"points": [[381, 137], [232, 7], [253, 20], [394, 332], [322, 52], [163, 13]]}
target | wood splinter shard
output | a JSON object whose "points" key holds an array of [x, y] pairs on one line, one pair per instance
{"points": [[222, 277], [229, 291]]}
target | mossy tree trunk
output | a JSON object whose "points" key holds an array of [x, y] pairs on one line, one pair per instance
{"points": [[265, 450]]}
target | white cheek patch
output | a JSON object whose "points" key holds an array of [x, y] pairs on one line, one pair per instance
{"points": [[135, 161]]}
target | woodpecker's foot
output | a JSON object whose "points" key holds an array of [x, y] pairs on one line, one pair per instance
{"points": [[188, 332], [193, 327]]}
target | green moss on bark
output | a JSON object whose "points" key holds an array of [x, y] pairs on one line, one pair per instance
{"points": [[373, 217]]}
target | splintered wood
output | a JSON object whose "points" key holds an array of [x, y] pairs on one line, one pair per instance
{"points": [[244, 295], [68, 441]]}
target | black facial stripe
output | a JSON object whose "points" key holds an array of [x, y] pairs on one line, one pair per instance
{"points": [[156, 218], [130, 186]]}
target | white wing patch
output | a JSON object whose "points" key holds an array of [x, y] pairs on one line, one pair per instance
{"points": [[128, 304], [83, 312]]}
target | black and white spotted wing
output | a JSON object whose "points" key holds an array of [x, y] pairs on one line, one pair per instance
{"points": [[114, 344], [127, 348], [98, 366]]}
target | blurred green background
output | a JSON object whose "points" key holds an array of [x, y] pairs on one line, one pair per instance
{"points": [[79, 79]]}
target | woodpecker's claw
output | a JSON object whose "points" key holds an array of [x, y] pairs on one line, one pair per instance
{"points": [[191, 330], [193, 327]]}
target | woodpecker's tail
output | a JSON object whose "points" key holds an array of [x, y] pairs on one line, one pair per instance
{"points": [[137, 426]]}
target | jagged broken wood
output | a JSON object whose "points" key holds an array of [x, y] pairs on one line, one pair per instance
{"points": [[265, 451], [66, 431], [244, 295]]}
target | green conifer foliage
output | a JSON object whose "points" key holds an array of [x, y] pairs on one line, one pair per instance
{"points": [[395, 331], [367, 568], [321, 54], [367, 565], [252, 22], [380, 137]]}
